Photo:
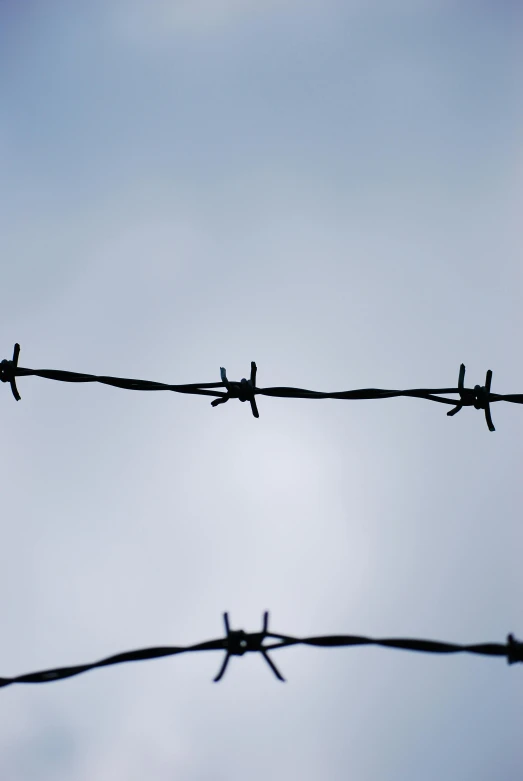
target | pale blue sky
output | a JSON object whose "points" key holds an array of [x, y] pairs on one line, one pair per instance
{"points": [[333, 190]]}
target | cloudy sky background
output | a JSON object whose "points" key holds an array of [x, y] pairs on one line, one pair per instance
{"points": [[332, 189]]}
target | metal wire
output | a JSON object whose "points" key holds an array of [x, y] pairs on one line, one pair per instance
{"points": [[479, 397], [239, 642]]}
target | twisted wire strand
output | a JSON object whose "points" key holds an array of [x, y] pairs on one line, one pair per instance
{"points": [[246, 390], [239, 642]]}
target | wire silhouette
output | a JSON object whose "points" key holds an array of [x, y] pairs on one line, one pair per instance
{"points": [[479, 397], [238, 642]]}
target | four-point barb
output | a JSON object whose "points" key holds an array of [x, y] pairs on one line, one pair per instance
{"points": [[8, 371], [514, 650], [237, 642], [244, 390], [479, 397]]}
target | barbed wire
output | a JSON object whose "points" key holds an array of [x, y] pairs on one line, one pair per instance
{"points": [[238, 642], [479, 397]]}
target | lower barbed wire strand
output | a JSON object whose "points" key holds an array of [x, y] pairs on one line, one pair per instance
{"points": [[239, 642]]}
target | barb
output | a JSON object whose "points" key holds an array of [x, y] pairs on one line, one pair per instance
{"points": [[238, 642], [244, 390], [8, 371], [479, 397]]}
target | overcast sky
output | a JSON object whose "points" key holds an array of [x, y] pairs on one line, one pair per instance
{"points": [[334, 190]]}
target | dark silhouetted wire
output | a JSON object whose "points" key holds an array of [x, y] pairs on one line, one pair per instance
{"points": [[479, 397], [238, 643]]}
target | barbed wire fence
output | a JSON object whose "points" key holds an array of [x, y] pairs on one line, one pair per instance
{"points": [[238, 642], [480, 396]]}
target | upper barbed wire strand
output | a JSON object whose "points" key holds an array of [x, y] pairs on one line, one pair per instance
{"points": [[479, 397]]}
